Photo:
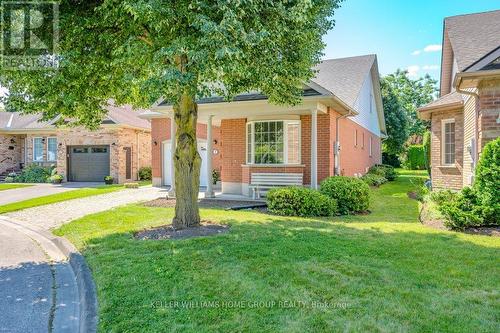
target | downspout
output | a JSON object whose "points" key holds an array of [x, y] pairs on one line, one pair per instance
{"points": [[476, 121], [337, 143]]}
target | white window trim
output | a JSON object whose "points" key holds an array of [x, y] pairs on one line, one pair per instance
{"points": [[33, 157], [443, 141], [47, 147], [285, 142]]}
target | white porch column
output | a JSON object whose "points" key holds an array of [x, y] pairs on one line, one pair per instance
{"points": [[314, 149], [210, 191], [171, 192]]}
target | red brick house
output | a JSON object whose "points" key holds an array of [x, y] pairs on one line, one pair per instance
{"points": [[336, 130], [467, 114], [120, 147]]}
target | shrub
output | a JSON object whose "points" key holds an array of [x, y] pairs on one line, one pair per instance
{"points": [[131, 185], [415, 158], [108, 180], [351, 194], [215, 176], [487, 182], [466, 210], [391, 159], [9, 179], [384, 170], [145, 173], [440, 197], [34, 174], [427, 150], [56, 179], [373, 179], [300, 201]]}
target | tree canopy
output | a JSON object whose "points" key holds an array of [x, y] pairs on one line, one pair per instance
{"points": [[402, 96], [129, 51]]}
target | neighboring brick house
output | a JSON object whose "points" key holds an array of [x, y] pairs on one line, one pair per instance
{"points": [[118, 148], [342, 107], [467, 114]]}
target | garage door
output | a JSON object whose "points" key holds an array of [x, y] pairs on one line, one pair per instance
{"points": [[88, 163], [202, 150]]}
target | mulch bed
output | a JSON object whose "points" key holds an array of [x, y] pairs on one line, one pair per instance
{"points": [[202, 203], [206, 228]]}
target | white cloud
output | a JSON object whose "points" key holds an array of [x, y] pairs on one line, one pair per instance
{"points": [[430, 67], [432, 48], [413, 70], [416, 52]]}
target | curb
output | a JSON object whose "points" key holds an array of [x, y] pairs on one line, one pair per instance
{"points": [[57, 248], [86, 287]]}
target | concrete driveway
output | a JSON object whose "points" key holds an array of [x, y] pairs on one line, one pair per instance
{"points": [[40, 190]]}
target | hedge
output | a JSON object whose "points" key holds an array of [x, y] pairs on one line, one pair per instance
{"points": [[415, 158], [351, 194], [300, 201]]}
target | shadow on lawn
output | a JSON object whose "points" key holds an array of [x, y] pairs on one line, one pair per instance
{"points": [[385, 277]]}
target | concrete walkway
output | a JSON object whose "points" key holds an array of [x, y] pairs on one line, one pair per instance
{"points": [[40, 190], [54, 215]]}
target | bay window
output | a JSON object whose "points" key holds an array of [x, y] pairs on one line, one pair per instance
{"points": [[273, 142], [37, 149], [51, 149]]}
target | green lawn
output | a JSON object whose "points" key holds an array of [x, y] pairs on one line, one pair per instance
{"points": [[53, 198], [381, 272], [10, 186]]}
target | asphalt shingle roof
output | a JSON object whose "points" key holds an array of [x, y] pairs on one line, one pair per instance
{"points": [[344, 77], [121, 115], [448, 99], [473, 36]]}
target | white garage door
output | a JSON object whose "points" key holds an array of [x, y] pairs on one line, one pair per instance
{"points": [[202, 150]]}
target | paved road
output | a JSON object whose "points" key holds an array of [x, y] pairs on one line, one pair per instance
{"points": [[25, 284], [39, 190], [38, 290]]}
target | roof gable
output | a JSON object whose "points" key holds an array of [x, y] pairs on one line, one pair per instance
{"points": [[473, 36]]}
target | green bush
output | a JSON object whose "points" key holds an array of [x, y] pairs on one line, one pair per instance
{"points": [[440, 197], [34, 174], [351, 194], [300, 201], [487, 180], [384, 170], [427, 150], [373, 179], [415, 158], [9, 179], [391, 159], [466, 210], [145, 173]]}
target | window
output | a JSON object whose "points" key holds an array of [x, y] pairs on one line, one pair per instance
{"points": [[80, 150], [363, 140], [273, 142], [370, 145], [38, 149], [355, 138], [99, 150], [51, 149], [448, 141]]}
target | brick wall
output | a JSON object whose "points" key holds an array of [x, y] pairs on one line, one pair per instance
{"points": [[444, 176], [160, 132], [489, 111], [115, 138], [11, 152]]}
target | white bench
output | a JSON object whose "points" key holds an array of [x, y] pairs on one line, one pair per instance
{"points": [[260, 181]]}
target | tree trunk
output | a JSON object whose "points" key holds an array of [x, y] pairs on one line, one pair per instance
{"points": [[187, 163]]}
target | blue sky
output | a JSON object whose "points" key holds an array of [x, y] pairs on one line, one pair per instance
{"points": [[403, 33]]}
